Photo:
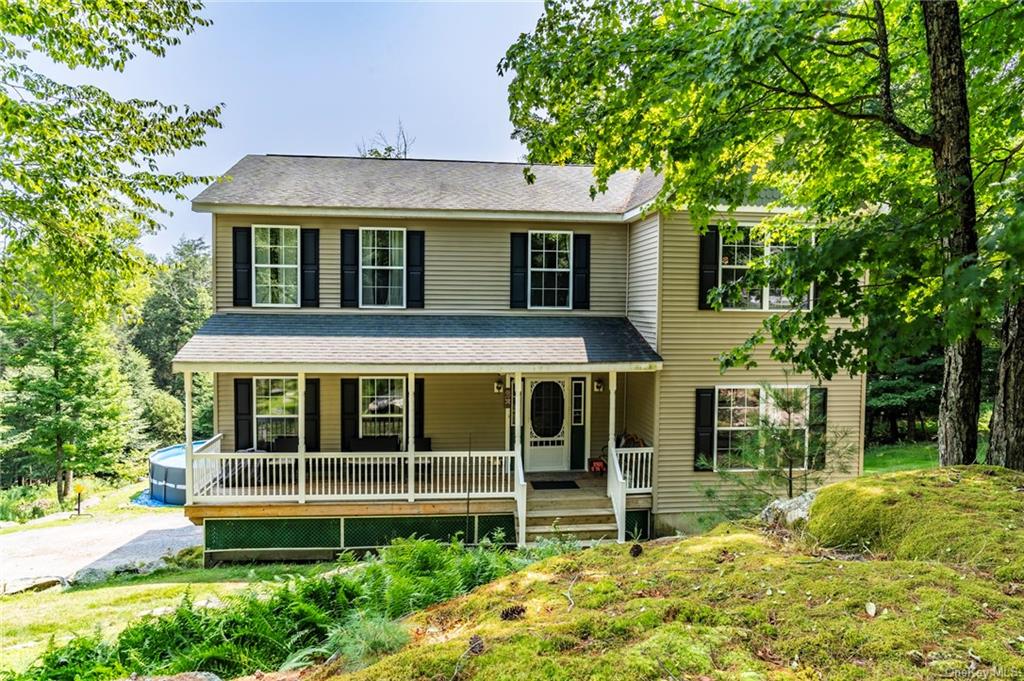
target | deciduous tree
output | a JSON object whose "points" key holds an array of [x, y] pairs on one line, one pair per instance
{"points": [[895, 127], [79, 174]]}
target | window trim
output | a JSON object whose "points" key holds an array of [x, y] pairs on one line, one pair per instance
{"points": [[297, 266], [255, 401], [765, 290], [580, 383], [404, 268], [405, 404], [529, 269], [762, 407]]}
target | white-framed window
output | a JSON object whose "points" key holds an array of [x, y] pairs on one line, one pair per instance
{"points": [[276, 414], [382, 407], [550, 270], [736, 256], [275, 258], [739, 411], [382, 267], [579, 392]]}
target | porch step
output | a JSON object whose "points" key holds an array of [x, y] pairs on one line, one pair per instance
{"points": [[581, 531], [568, 503], [576, 516]]}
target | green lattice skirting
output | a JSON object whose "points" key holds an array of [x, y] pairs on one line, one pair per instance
{"points": [[349, 533]]}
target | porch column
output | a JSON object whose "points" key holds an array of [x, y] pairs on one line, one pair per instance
{"points": [[302, 437], [517, 403], [188, 437], [612, 381], [410, 433]]}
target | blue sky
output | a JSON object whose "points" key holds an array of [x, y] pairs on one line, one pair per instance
{"points": [[317, 78]]}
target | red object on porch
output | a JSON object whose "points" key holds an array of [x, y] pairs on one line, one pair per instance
{"points": [[598, 466]]}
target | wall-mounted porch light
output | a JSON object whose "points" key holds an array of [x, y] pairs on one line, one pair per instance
{"points": [[598, 386]]}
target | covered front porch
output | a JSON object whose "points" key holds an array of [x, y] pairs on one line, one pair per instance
{"points": [[302, 439]]}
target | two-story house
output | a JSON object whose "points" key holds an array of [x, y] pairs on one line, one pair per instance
{"points": [[441, 348]]}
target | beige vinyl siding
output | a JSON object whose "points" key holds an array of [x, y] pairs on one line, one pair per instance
{"points": [[222, 249], [463, 406], [639, 396], [466, 263], [642, 291], [456, 407], [690, 339]]}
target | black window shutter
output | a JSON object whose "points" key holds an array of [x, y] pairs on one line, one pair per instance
{"points": [[704, 448], [350, 268], [581, 272], [312, 414], [420, 409], [349, 412], [243, 414], [414, 244], [310, 267], [817, 424], [241, 267], [708, 266], [517, 267]]}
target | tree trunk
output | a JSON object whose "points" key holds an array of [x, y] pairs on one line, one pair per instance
{"points": [[1006, 442], [58, 460], [951, 158], [894, 427]]}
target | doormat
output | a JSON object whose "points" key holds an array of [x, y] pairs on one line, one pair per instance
{"points": [[554, 484]]}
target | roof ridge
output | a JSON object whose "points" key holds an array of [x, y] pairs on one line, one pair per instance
{"points": [[435, 160]]}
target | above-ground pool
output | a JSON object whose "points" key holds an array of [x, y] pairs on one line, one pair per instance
{"points": [[167, 474]]}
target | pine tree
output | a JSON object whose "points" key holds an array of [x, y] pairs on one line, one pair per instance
{"points": [[66, 401]]}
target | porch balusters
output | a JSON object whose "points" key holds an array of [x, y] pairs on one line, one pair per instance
{"points": [[302, 438], [410, 434]]}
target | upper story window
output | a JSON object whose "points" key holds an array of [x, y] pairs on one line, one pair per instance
{"points": [[275, 265], [550, 276], [277, 414], [382, 266], [736, 257]]}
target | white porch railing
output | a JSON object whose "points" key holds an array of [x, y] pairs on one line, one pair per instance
{"points": [[520, 502], [617, 493], [351, 476], [637, 465]]}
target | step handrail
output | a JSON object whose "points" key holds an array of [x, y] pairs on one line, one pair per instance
{"points": [[617, 493]]}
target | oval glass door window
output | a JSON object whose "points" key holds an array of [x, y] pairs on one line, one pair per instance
{"points": [[547, 409]]}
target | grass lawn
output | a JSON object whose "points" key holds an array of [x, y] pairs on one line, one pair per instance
{"points": [[110, 502], [909, 456], [901, 457], [29, 620]]}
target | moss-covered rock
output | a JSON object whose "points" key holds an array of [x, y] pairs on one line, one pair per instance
{"points": [[966, 516]]}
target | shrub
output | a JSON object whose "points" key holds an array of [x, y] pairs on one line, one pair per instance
{"points": [[22, 503], [164, 416], [260, 628]]}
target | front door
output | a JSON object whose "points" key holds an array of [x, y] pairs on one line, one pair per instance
{"points": [[547, 424]]}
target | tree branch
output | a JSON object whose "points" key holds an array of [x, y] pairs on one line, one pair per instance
{"points": [[889, 116]]}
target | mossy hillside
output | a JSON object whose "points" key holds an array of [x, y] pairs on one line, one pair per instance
{"points": [[733, 604], [968, 516]]}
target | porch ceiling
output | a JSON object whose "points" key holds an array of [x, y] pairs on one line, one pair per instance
{"points": [[416, 341]]}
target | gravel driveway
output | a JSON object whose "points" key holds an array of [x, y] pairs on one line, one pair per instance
{"points": [[103, 543]]}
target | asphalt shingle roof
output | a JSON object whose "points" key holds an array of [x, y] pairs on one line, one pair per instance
{"points": [[413, 184], [415, 339]]}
